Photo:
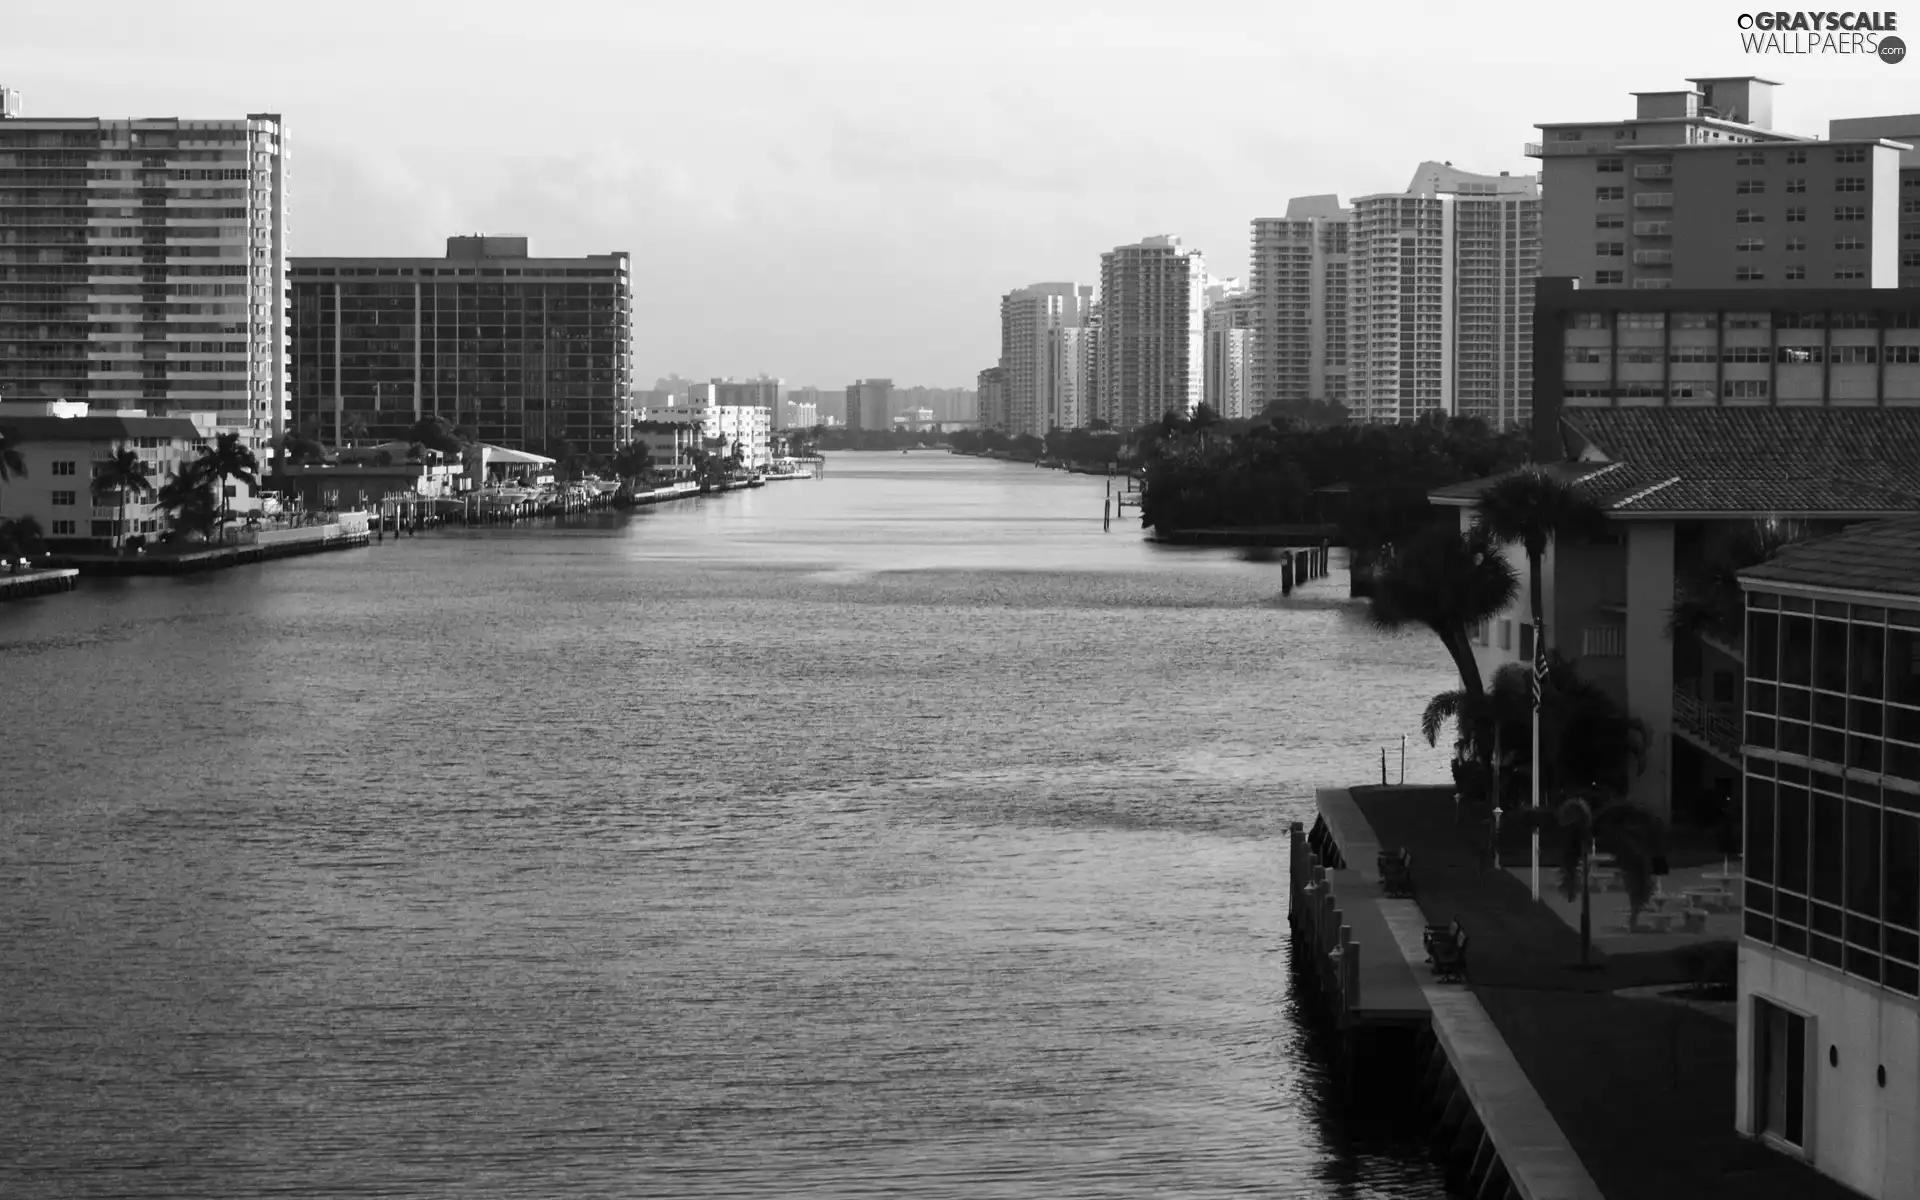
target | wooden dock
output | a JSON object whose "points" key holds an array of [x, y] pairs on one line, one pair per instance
{"points": [[1489, 1124], [22, 584]]}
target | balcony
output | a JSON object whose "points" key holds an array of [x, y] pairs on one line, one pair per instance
{"points": [[1713, 727], [1533, 150], [1653, 171], [1653, 200], [1653, 229], [1653, 258]]}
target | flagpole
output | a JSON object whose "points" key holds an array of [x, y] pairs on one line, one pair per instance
{"points": [[1539, 685]]}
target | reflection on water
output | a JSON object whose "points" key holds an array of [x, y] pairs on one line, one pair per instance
{"points": [[897, 833]]}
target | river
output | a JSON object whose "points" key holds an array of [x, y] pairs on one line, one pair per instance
{"points": [[898, 833]]}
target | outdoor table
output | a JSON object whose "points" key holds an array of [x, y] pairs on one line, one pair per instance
{"points": [[1718, 899]]}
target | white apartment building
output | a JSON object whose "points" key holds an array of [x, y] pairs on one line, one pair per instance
{"points": [[822, 403], [1041, 359], [144, 263], [1152, 352], [1231, 318], [1300, 290], [795, 414], [1440, 282], [1698, 190], [747, 426], [61, 441]]}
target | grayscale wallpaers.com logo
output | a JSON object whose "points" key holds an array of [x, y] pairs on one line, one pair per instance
{"points": [[1864, 33]]}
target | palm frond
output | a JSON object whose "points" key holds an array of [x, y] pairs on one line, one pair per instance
{"points": [[1442, 708]]}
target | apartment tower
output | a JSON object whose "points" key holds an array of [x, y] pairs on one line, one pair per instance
{"points": [[1152, 333], [1698, 190], [528, 353], [1299, 285], [143, 266], [1231, 315], [1041, 352], [870, 404], [1440, 282]]}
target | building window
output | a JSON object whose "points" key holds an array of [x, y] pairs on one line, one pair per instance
{"points": [[1588, 320], [1797, 271], [63, 529], [1748, 216], [1749, 158], [1602, 641], [1849, 243], [1610, 249], [66, 467], [63, 499], [1506, 635], [1602, 278], [1610, 192], [1850, 183], [1852, 355], [1850, 273], [1797, 213], [1750, 187], [1746, 389], [1779, 1072], [1610, 221], [1796, 157], [1850, 212], [1748, 274], [1850, 154], [1608, 166], [1795, 186], [103, 529], [1750, 245], [1796, 245]]}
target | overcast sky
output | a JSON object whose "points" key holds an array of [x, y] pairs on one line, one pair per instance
{"points": [[828, 189]]}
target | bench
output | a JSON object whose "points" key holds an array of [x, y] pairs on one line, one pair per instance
{"points": [[1396, 873], [1447, 950]]}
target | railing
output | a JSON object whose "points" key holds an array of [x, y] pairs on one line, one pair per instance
{"points": [[1653, 200], [1532, 150], [1653, 229], [1653, 258], [1706, 722], [1653, 171]]}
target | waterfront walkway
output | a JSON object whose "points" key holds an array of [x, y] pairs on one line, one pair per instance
{"points": [[1642, 1090]]}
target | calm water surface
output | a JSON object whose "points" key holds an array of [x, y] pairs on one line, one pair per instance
{"points": [[893, 834]]}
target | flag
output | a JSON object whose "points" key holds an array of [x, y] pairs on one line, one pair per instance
{"points": [[1539, 664]]}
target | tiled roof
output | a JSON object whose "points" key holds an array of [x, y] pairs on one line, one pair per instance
{"points": [[1470, 490], [98, 429], [1752, 460], [1882, 556]]}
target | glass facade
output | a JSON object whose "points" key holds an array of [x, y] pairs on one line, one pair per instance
{"points": [[1833, 785], [527, 353]]}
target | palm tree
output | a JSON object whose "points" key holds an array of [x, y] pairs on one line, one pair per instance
{"points": [[1594, 820], [187, 498], [1533, 508], [228, 458], [354, 429], [11, 463], [1202, 423], [115, 478], [1449, 582], [20, 537]]}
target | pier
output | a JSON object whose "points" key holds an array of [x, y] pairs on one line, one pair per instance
{"points": [[349, 530], [1399, 1026], [38, 583]]}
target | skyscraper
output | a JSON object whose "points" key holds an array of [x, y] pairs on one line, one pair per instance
{"points": [[528, 352], [1698, 190], [1440, 283], [1300, 298], [1230, 321], [870, 404], [1152, 353], [992, 386], [1041, 352], [143, 265]]}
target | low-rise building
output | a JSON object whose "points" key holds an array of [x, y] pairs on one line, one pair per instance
{"points": [[1829, 973], [721, 428], [61, 443]]}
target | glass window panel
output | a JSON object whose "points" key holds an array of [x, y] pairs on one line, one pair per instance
{"points": [[1796, 650], [1830, 710], [1829, 745], [1760, 732], [1865, 717], [1863, 931], [1863, 858], [1759, 927], [1867, 674], [1762, 697], [1826, 919], [1903, 724], [1903, 669], [1863, 753], [1830, 655], [1763, 645], [1829, 848], [1759, 898], [1902, 978], [1823, 950], [1759, 830], [1863, 963], [1791, 938], [1789, 908], [1796, 704], [1793, 737], [1903, 762], [1902, 944], [1903, 869], [1792, 840]]}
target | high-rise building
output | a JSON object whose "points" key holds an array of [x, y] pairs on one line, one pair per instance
{"points": [[1299, 284], [1905, 130], [825, 404], [1153, 324], [143, 265], [1042, 361], [1230, 322], [992, 387], [1440, 282], [527, 352], [1698, 190], [948, 404], [870, 404], [763, 392]]}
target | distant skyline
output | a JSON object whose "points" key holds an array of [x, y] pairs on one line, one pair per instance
{"points": [[844, 190]]}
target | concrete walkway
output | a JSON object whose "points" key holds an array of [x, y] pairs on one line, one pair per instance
{"points": [[1540, 1162]]}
